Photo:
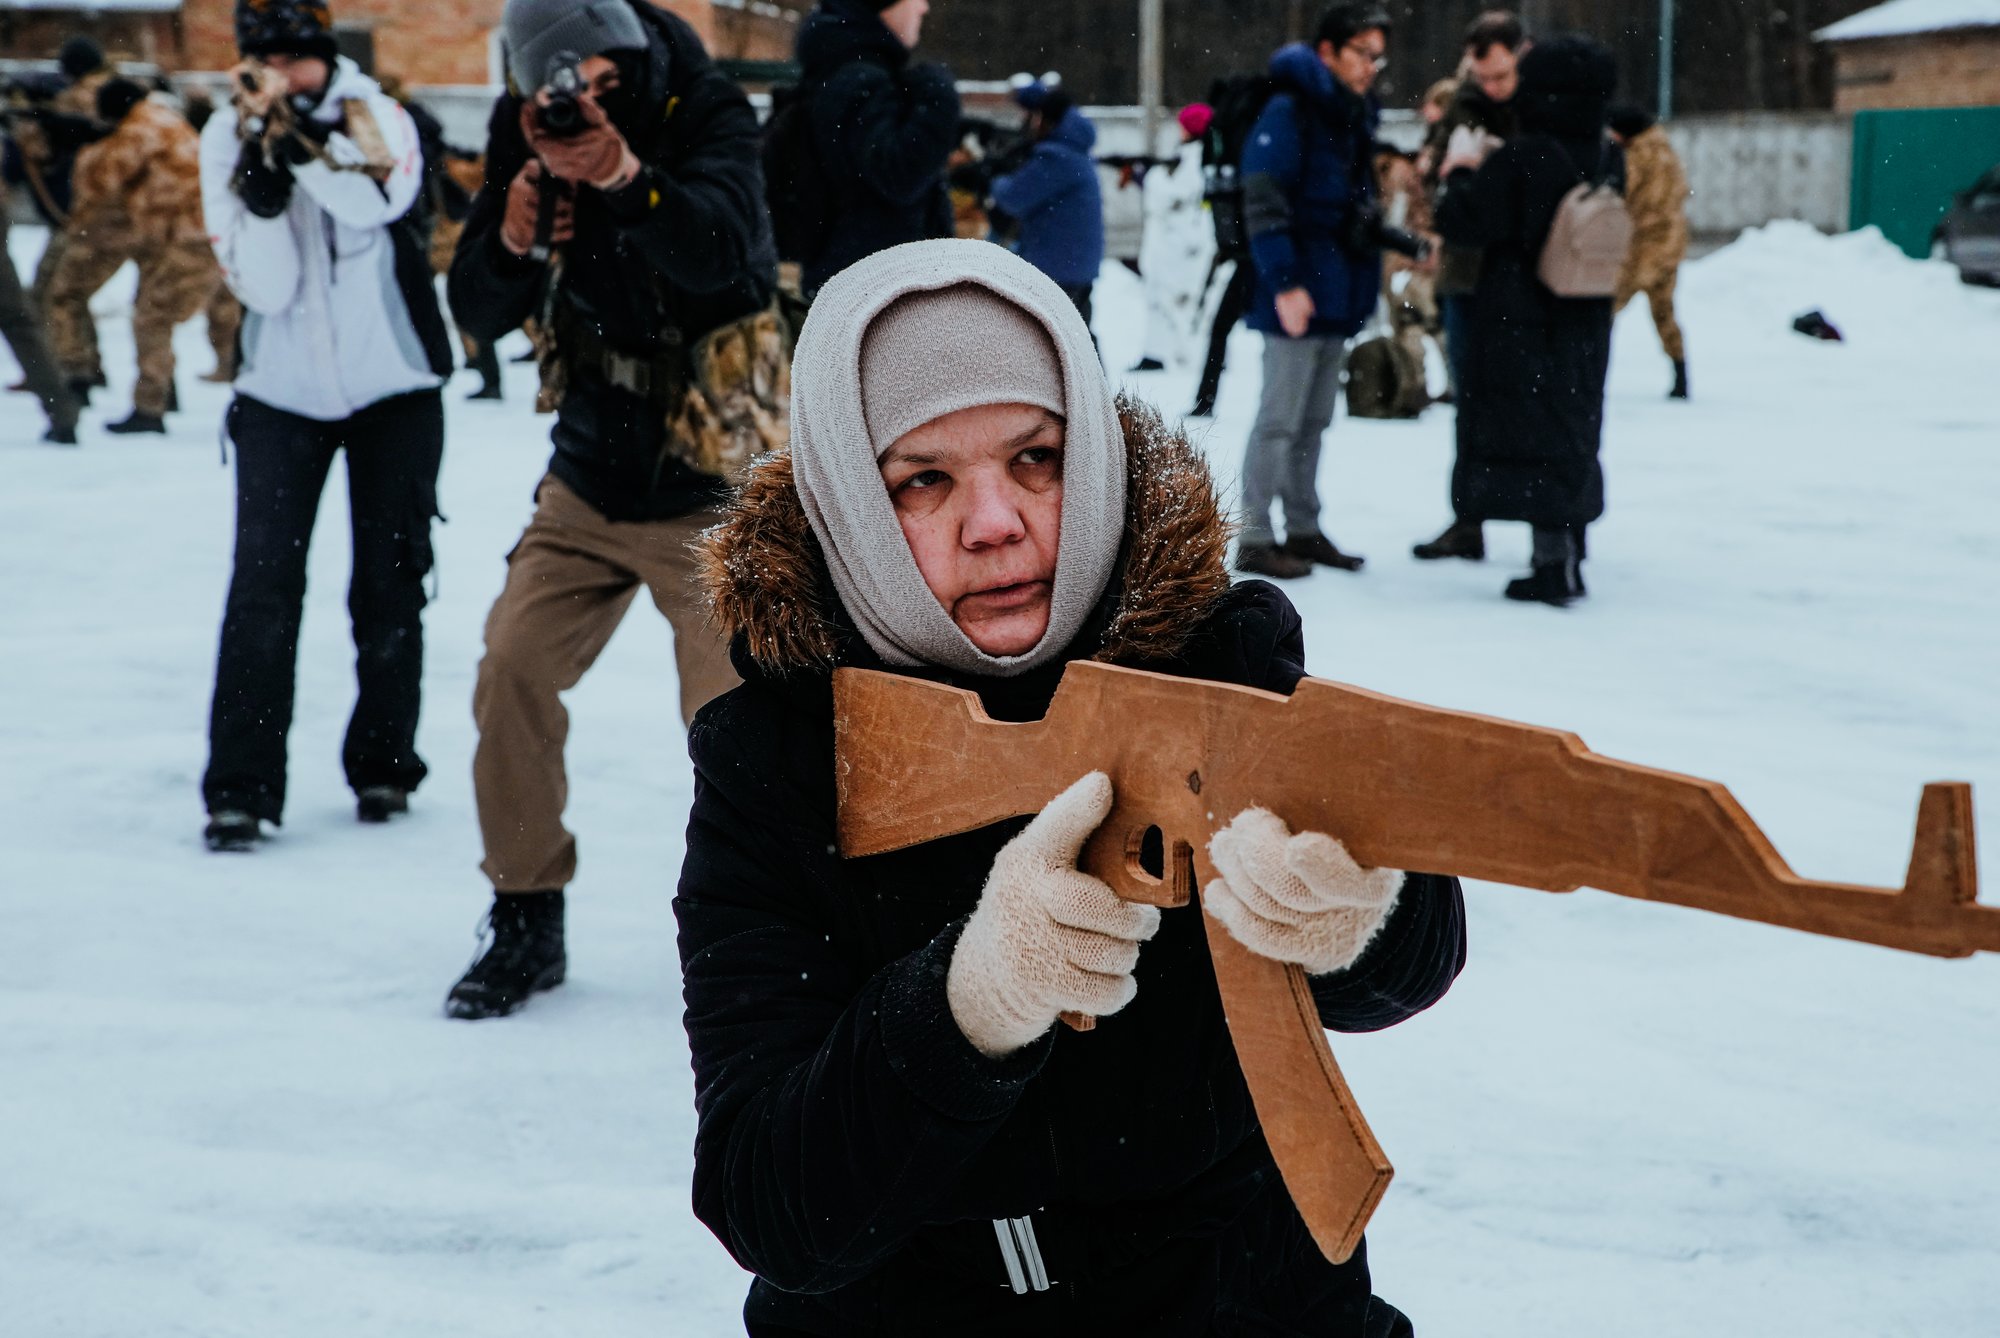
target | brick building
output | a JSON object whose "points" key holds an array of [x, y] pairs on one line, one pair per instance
{"points": [[426, 42], [1917, 53]]}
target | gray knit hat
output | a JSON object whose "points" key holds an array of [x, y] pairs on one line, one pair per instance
{"points": [[544, 36]]}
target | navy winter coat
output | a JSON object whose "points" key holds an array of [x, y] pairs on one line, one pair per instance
{"points": [[1056, 198], [1307, 167], [853, 1148]]}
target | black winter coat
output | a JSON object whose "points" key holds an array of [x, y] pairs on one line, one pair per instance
{"points": [[684, 249], [882, 130], [1531, 408], [853, 1149]]}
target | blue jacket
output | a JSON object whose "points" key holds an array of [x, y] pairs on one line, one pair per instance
{"points": [[1307, 168], [1056, 199]]}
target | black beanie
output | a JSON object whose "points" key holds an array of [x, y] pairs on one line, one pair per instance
{"points": [[1629, 121], [285, 28], [116, 99], [80, 55]]}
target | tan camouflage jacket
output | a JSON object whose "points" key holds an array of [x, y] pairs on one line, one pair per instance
{"points": [[1656, 193], [143, 182]]}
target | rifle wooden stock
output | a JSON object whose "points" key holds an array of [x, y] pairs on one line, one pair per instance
{"points": [[1404, 786]]}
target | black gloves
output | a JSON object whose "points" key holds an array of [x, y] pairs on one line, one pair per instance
{"points": [[264, 188]]}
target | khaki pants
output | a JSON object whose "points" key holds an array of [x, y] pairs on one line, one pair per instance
{"points": [[1658, 285], [175, 282], [569, 582]]}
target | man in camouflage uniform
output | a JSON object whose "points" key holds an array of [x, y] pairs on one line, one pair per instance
{"points": [[52, 160], [1656, 192], [136, 196]]}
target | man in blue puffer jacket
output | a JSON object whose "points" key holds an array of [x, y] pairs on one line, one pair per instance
{"points": [[1308, 192], [1055, 196]]}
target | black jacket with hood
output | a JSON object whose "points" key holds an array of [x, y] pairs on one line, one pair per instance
{"points": [[685, 249], [882, 130], [1531, 409], [853, 1148]]}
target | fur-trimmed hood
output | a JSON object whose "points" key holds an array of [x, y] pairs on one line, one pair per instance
{"points": [[766, 579]]}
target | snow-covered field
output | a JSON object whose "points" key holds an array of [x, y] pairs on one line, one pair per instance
{"points": [[229, 1105]]}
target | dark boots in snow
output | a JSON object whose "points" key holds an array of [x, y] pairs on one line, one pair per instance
{"points": [[1150, 365], [1464, 539], [231, 831], [1680, 390], [524, 954], [1272, 561], [137, 422], [379, 803], [1317, 548], [1557, 577]]}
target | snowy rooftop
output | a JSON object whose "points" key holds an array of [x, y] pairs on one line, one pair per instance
{"points": [[1902, 18]]}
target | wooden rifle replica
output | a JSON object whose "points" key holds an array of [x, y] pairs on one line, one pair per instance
{"points": [[1405, 787], [278, 126]]}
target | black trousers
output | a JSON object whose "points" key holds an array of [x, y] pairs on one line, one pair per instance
{"points": [[1234, 306], [394, 448]]}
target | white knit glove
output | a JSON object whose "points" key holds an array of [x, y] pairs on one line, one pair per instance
{"points": [[1047, 938], [1299, 899]]}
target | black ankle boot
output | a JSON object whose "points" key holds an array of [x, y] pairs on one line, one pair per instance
{"points": [[524, 955], [1463, 539], [1680, 390]]}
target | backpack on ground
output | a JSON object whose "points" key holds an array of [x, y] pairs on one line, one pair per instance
{"points": [[1238, 100], [1588, 241], [1385, 379], [794, 186]]}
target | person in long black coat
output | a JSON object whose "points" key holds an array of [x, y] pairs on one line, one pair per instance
{"points": [[1531, 408], [854, 1149]]}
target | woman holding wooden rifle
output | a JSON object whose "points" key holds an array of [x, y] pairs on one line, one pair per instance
{"points": [[895, 1135]]}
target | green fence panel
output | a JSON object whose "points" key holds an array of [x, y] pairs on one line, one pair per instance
{"points": [[1908, 165]]}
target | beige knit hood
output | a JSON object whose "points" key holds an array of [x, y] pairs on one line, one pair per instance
{"points": [[834, 454]]}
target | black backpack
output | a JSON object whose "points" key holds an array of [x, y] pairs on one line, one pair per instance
{"points": [[794, 187], [1238, 100]]}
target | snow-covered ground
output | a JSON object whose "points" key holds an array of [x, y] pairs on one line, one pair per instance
{"points": [[229, 1106]]}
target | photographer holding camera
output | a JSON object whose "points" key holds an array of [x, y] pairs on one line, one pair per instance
{"points": [[1316, 242], [624, 212], [306, 181]]}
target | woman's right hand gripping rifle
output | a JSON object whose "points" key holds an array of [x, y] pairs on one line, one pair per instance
{"points": [[1047, 938]]}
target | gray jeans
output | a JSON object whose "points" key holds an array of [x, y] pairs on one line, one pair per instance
{"points": [[1281, 461]]}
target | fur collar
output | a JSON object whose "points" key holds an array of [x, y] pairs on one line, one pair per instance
{"points": [[767, 582]]}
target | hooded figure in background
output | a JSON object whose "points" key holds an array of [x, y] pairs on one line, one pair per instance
{"points": [[894, 1135], [1531, 404], [1055, 196]]}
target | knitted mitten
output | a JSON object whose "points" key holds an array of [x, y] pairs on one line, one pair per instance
{"points": [[1046, 938], [1298, 899]]}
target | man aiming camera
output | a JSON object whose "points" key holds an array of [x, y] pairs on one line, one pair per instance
{"points": [[623, 214]]}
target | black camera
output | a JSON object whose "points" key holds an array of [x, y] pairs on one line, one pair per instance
{"points": [[1368, 233], [562, 114]]}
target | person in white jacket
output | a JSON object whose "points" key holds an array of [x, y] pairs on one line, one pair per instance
{"points": [[1178, 248], [306, 181]]}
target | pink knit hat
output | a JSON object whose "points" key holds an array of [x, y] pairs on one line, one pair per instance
{"points": [[1195, 119]]}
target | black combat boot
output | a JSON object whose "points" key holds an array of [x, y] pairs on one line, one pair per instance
{"points": [[232, 831], [1462, 539], [60, 434], [1272, 561], [1557, 578], [1680, 390], [1319, 549], [379, 803], [524, 955], [1150, 365], [138, 422]]}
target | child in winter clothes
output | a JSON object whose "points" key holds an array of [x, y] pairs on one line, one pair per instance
{"points": [[879, 1075]]}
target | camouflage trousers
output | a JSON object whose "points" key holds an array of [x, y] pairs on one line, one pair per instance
{"points": [[1658, 285], [176, 280]]}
